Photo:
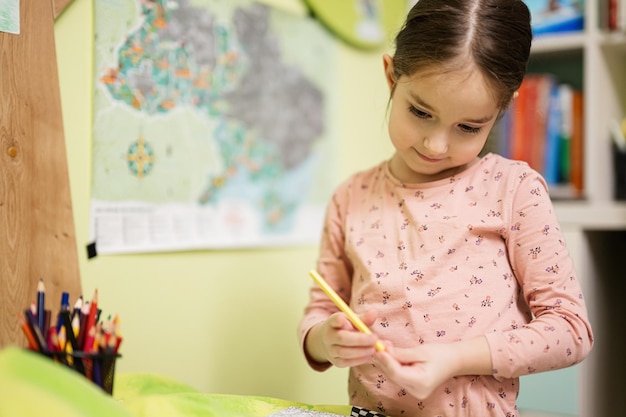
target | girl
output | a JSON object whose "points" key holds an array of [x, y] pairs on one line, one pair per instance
{"points": [[456, 262]]}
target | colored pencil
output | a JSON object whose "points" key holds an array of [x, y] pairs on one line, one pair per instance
{"points": [[31, 319], [32, 341], [356, 321], [41, 302], [78, 305], [91, 323]]}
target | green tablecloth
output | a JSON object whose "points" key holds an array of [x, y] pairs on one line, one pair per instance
{"points": [[32, 385]]}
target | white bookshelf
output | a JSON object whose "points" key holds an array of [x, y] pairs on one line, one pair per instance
{"points": [[594, 226]]}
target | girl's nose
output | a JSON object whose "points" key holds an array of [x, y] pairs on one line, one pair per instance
{"points": [[437, 143]]}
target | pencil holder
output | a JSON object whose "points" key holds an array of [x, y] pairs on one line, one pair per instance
{"points": [[99, 367]]}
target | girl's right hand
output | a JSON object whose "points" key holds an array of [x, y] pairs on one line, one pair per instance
{"points": [[337, 341]]}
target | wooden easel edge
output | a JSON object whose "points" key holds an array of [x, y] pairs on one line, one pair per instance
{"points": [[60, 6]]}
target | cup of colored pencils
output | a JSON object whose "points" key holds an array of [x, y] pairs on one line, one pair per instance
{"points": [[79, 339]]}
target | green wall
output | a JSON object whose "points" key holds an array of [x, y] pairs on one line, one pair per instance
{"points": [[221, 321]]}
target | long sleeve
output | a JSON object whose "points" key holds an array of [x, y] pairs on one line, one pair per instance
{"points": [[559, 334], [334, 266]]}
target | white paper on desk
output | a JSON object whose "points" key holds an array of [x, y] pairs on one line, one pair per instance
{"points": [[300, 412], [10, 16]]}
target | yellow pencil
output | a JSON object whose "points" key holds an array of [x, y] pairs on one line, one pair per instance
{"points": [[354, 319]]}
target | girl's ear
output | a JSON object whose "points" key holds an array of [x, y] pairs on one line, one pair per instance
{"points": [[389, 73]]}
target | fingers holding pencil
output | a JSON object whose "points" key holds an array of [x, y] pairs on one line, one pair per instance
{"points": [[341, 304], [335, 341]]}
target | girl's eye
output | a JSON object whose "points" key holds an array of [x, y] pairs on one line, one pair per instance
{"points": [[469, 129], [417, 112], [423, 115]]}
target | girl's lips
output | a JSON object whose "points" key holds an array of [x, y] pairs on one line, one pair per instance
{"points": [[427, 159]]}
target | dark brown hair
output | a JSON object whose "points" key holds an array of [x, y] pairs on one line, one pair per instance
{"points": [[446, 35]]}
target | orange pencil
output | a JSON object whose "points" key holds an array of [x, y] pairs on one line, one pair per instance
{"points": [[116, 325], [32, 342], [31, 321], [98, 339]]}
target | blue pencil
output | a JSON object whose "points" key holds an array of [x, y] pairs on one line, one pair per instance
{"points": [[41, 305]]}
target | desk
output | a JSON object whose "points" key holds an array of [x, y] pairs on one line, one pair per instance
{"points": [[33, 385]]}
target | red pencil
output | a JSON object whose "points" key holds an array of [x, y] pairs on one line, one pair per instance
{"points": [[82, 331], [91, 322]]}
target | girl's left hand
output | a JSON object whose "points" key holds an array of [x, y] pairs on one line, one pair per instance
{"points": [[419, 369]]}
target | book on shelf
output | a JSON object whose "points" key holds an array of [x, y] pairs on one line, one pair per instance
{"points": [[612, 15], [544, 127], [556, 16], [577, 143]]}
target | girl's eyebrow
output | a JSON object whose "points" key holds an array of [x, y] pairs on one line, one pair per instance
{"points": [[480, 121], [418, 100]]}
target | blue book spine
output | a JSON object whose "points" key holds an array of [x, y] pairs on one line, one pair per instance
{"points": [[552, 156]]}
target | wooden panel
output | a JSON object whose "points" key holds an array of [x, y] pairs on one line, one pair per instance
{"points": [[37, 237], [59, 6]]}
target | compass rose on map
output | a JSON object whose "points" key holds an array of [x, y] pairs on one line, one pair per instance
{"points": [[140, 158]]}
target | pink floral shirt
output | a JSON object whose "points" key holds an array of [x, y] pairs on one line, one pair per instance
{"points": [[479, 253]]}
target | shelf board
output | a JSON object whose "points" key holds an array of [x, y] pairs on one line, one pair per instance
{"points": [[585, 215], [613, 40], [558, 42]]}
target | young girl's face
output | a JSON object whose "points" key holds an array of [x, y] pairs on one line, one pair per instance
{"points": [[438, 122]]}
